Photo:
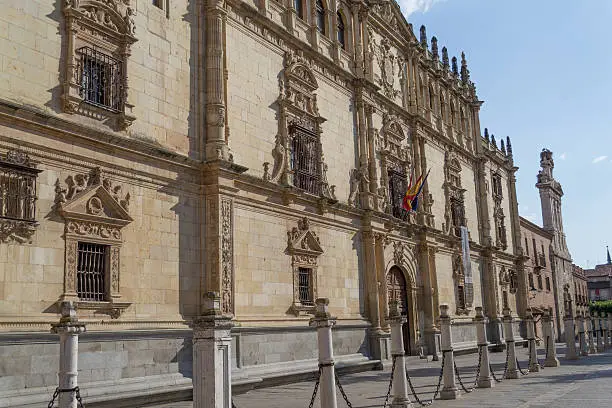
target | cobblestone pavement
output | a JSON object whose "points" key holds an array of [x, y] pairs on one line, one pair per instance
{"points": [[583, 382]]}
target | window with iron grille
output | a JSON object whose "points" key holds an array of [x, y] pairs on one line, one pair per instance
{"points": [[91, 271], [320, 16], [305, 156], [305, 289], [458, 214], [17, 193], [101, 79], [398, 185], [341, 33]]}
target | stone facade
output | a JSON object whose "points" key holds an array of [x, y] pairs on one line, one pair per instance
{"points": [[600, 281], [538, 267], [242, 148], [581, 292]]}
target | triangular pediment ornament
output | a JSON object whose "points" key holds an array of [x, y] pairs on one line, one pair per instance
{"points": [[390, 13], [302, 240], [110, 16], [92, 205]]}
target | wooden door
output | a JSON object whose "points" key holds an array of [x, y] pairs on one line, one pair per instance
{"points": [[397, 291]]}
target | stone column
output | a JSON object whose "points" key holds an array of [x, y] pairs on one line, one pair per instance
{"points": [[570, 338], [212, 369], [324, 322], [512, 369], [584, 348], [400, 383], [485, 380], [599, 328], [610, 328], [591, 330], [534, 366], [549, 341], [449, 391], [68, 329]]}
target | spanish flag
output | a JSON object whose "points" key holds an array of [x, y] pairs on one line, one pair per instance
{"points": [[411, 199]]}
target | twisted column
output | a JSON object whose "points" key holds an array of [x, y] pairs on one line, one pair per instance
{"points": [[323, 321], [68, 329], [449, 391], [484, 380], [512, 371], [549, 339], [400, 382]]}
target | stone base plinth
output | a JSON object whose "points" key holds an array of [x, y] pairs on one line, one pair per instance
{"points": [[449, 393], [485, 383]]}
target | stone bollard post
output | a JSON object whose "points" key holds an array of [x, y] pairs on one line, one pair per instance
{"points": [[400, 382], [599, 328], [591, 329], [484, 380], [324, 322], [570, 338], [512, 369], [609, 329], [212, 368], [68, 329], [549, 341], [449, 391], [534, 366], [584, 348]]}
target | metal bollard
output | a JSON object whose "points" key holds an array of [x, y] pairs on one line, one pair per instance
{"points": [[534, 366], [324, 322], [570, 338], [449, 391], [400, 382], [512, 369], [591, 328], [584, 348], [484, 380], [211, 354], [549, 339], [68, 329]]}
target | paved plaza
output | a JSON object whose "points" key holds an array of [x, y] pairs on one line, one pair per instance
{"points": [[585, 382]]}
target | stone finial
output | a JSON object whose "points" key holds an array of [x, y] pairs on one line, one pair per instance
{"points": [[493, 142], [434, 48], [444, 310], [322, 308], [423, 31], [486, 135], [508, 146], [465, 72], [68, 312], [502, 146], [455, 69], [547, 164], [445, 57], [506, 312]]}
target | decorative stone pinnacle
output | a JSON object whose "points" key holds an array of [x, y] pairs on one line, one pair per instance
{"points": [[423, 37], [434, 48], [455, 69], [322, 308], [465, 72], [486, 135], [502, 147], [445, 57], [508, 146], [493, 142], [444, 310]]}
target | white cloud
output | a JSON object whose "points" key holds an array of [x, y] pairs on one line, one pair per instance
{"points": [[563, 156], [531, 217], [411, 6], [598, 159]]}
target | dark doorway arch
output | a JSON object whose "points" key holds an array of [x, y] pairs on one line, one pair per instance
{"points": [[397, 290]]}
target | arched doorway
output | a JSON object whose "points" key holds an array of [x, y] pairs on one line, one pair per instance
{"points": [[397, 290]]}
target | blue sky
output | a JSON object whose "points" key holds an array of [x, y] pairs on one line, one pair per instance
{"points": [[544, 70]]}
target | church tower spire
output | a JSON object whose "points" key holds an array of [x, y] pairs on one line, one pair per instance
{"points": [[609, 259]]}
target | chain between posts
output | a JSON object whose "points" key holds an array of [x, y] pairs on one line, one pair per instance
{"points": [[348, 403], [58, 391], [414, 394], [519, 367], [477, 372], [316, 388], [395, 356]]}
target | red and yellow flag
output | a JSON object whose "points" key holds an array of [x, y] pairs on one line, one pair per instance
{"points": [[411, 199]]}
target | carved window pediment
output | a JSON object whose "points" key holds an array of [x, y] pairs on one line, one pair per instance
{"points": [[95, 210]]}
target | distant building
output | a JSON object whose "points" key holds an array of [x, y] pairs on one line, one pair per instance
{"points": [[581, 294], [600, 280], [541, 287]]}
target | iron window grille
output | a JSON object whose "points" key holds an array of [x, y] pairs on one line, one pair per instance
{"points": [[341, 32], [101, 79], [305, 156], [397, 191], [17, 193], [91, 271], [320, 16], [305, 286]]}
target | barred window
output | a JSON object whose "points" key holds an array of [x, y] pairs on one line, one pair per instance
{"points": [[320, 16], [305, 287], [397, 190], [91, 271], [101, 79], [17, 187], [305, 157], [299, 8], [341, 32]]}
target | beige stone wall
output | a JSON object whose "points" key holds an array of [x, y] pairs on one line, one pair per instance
{"points": [[159, 69]]}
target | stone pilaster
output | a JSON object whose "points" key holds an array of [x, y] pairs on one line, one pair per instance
{"points": [[68, 329], [534, 366], [426, 254], [212, 369], [570, 338]]}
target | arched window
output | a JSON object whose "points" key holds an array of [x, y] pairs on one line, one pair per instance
{"points": [[320, 16], [452, 113], [431, 98], [341, 33], [442, 107], [299, 8], [463, 122]]}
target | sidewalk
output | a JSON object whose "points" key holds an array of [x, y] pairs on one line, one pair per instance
{"points": [[576, 383]]}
